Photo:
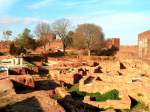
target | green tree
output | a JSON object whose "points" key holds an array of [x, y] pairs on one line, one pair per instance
{"points": [[25, 40]]}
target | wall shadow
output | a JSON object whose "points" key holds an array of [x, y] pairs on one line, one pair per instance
{"points": [[28, 105], [71, 105], [21, 88], [46, 85], [39, 85]]}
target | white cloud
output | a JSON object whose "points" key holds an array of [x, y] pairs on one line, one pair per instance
{"points": [[20, 21], [40, 4], [18, 24]]}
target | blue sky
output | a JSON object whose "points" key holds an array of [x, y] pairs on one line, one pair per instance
{"points": [[118, 18]]}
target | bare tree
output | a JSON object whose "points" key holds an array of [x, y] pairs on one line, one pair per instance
{"points": [[7, 34], [92, 35], [44, 34], [61, 28]]}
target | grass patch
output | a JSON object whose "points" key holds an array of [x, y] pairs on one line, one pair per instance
{"points": [[57, 97], [75, 87], [110, 95], [29, 64]]}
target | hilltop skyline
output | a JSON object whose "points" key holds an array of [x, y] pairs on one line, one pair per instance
{"points": [[118, 18]]}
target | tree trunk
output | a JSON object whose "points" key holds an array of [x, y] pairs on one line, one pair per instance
{"points": [[45, 48], [89, 52], [64, 48]]}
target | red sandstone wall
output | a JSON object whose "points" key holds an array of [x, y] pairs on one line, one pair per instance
{"points": [[145, 34], [4, 47], [144, 44], [128, 52], [113, 42], [57, 44]]}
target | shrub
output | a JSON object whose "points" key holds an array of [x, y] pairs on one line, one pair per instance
{"points": [[56, 54], [105, 52]]}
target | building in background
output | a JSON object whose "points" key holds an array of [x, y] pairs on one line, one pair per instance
{"points": [[4, 46], [113, 42], [144, 44], [57, 44]]}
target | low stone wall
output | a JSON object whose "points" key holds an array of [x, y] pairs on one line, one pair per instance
{"points": [[25, 80], [97, 58], [24, 71], [84, 58], [61, 92], [6, 87], [3, 75]]}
